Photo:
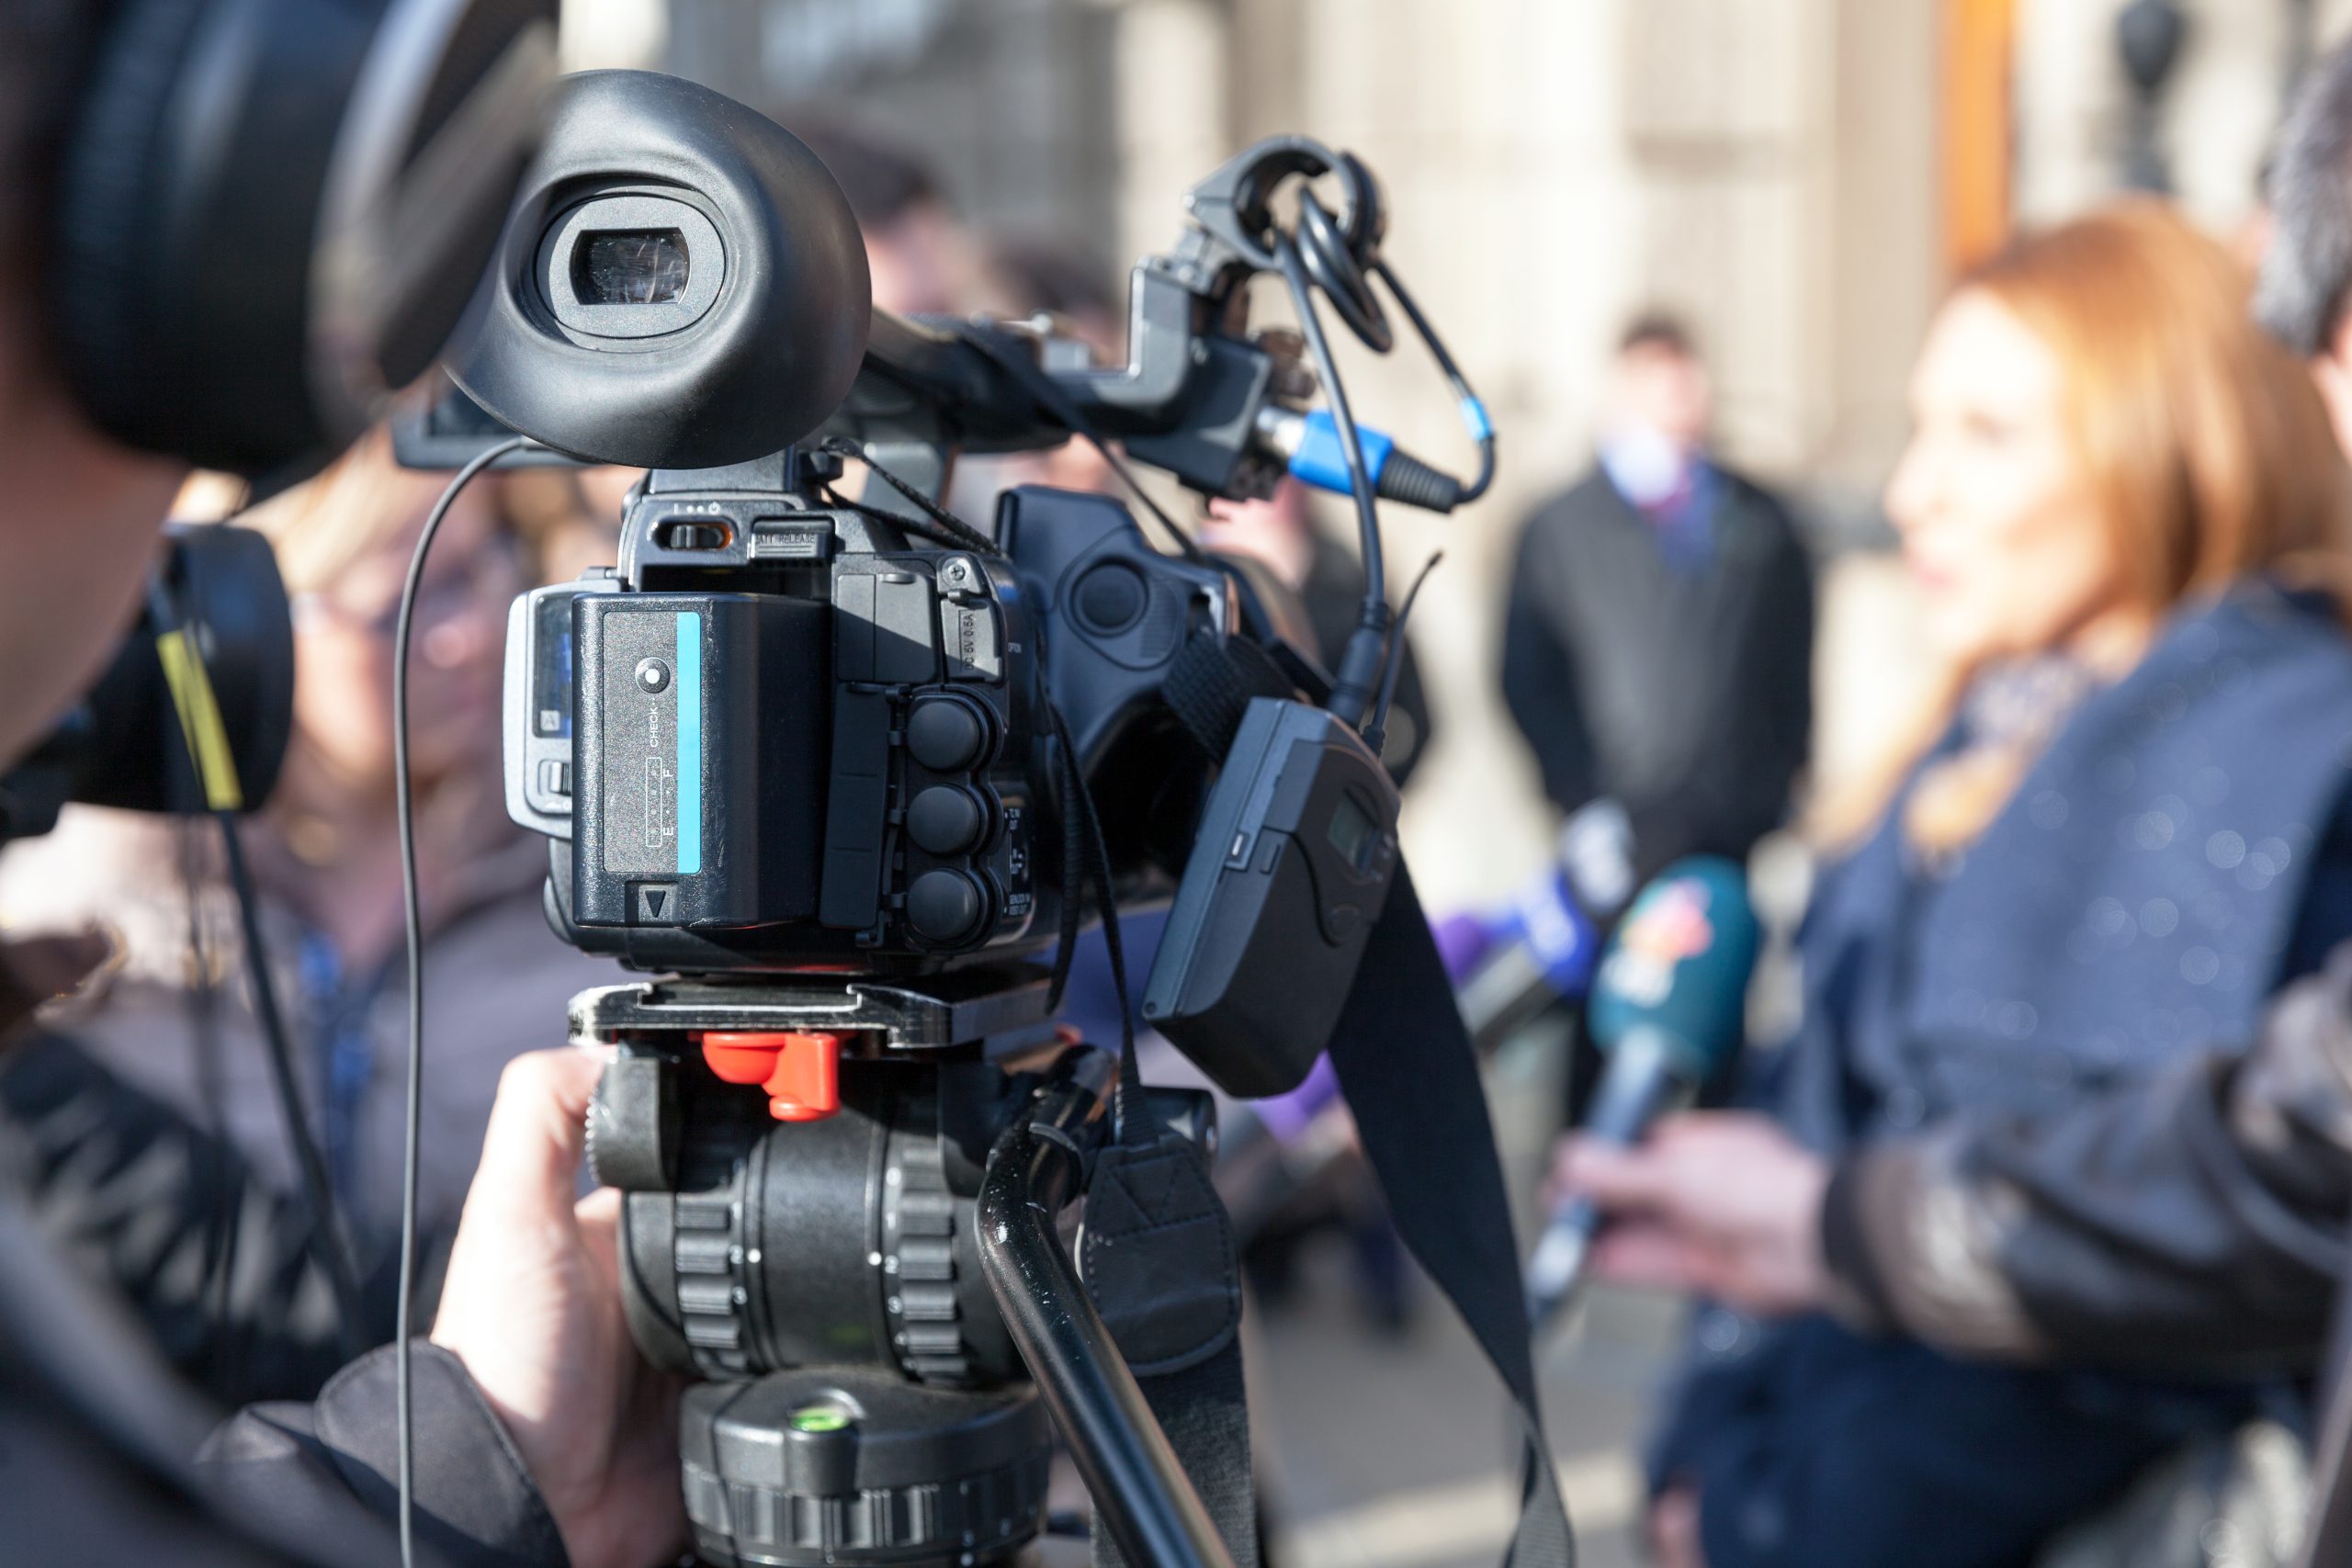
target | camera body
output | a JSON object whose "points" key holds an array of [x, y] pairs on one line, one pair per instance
{"points": [[831, 769], [792, 733], [777, 738]]}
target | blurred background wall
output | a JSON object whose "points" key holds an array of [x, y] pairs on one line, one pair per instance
{"points": [[1799, 178]]}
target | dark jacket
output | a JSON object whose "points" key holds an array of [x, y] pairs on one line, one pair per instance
{"points": [[500, 983], [1682, 688], [110, 1204], [2171, 859], [2192, 1223]]}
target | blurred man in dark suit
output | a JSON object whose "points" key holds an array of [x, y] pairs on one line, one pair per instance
{"points": [[1658, 651]]}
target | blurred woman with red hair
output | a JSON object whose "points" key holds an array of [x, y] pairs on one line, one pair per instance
{"points": [[2117, 830]]}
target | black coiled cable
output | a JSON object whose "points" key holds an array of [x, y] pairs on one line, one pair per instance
{"points": [[1341, 258]]}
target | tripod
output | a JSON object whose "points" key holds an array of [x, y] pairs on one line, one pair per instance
{"points": [[841, 1198]]}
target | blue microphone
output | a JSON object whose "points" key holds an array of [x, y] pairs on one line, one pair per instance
{"points": [[1668, 1005]]}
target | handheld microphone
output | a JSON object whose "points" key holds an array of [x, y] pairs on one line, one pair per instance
{"points": [[1668, 1004], [1543, 951]]}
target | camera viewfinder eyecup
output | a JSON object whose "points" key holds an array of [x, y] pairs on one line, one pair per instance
{"points": [[698, 301]]}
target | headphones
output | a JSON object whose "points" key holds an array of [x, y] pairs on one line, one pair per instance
{"points": [[273, 214]]}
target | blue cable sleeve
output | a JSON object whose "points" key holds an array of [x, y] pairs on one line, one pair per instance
{"points": [[1322, 462]]}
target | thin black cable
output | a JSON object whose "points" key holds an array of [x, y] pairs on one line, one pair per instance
{"points": [[203, 1020], [170, 613], [919, 526], [1058, 404], [1368, 644], [405, 805], [1083, 841], [1375, 734], [1473, 408], [333, 1256], [962, 533], [1343, 420]]}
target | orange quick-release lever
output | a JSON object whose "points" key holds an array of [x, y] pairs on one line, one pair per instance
{"points": [[800, 1072]]}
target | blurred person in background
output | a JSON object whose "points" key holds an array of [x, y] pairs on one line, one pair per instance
{"points": [[1657, 645], [1029, 278], [2115, 836], [325, 859], [2194, 1221], [544, 1438], [920, 256]]}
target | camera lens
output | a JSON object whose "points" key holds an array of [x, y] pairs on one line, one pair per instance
{"points": [[630, 266]]}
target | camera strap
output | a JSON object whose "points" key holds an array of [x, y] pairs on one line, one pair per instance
{"points": [[1407, 1072], [1410, 1077], [1158, 1260]]}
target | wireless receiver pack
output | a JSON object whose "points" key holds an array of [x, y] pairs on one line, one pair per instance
{"points": [[1291, 867]]}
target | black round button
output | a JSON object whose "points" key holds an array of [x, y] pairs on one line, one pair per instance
{"points": [[946, 820], [1110, 597], [945, 736], [945, 905]]}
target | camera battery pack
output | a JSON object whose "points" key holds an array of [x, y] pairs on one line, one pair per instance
{"points": [[698, 741], [1289, 872]]}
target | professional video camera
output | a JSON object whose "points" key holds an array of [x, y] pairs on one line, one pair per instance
{"points": [[841, 770]]}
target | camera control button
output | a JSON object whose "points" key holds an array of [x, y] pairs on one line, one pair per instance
{"points": [[945, 735], [1110, 598], [946, 820], [945, 905]]}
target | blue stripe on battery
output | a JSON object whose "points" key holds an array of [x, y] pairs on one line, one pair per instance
{"points": [[689, 742]]}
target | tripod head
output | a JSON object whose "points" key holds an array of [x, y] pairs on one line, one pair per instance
{"points": [[869, 1270]]}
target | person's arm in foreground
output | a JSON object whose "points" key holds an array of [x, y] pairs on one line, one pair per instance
{"points": [[542, 1436], [2193, 1222]]}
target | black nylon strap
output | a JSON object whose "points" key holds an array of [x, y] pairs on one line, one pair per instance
{"points": [[1159, 1261], [1411, 1077], [1210, 684]]}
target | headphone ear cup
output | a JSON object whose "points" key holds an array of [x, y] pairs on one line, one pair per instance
{"points": [[271, 211], [113, 165], [189, 206]]}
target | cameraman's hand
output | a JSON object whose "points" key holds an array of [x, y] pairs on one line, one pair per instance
{"points": [[532, 1307], [1727, 1205]]}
